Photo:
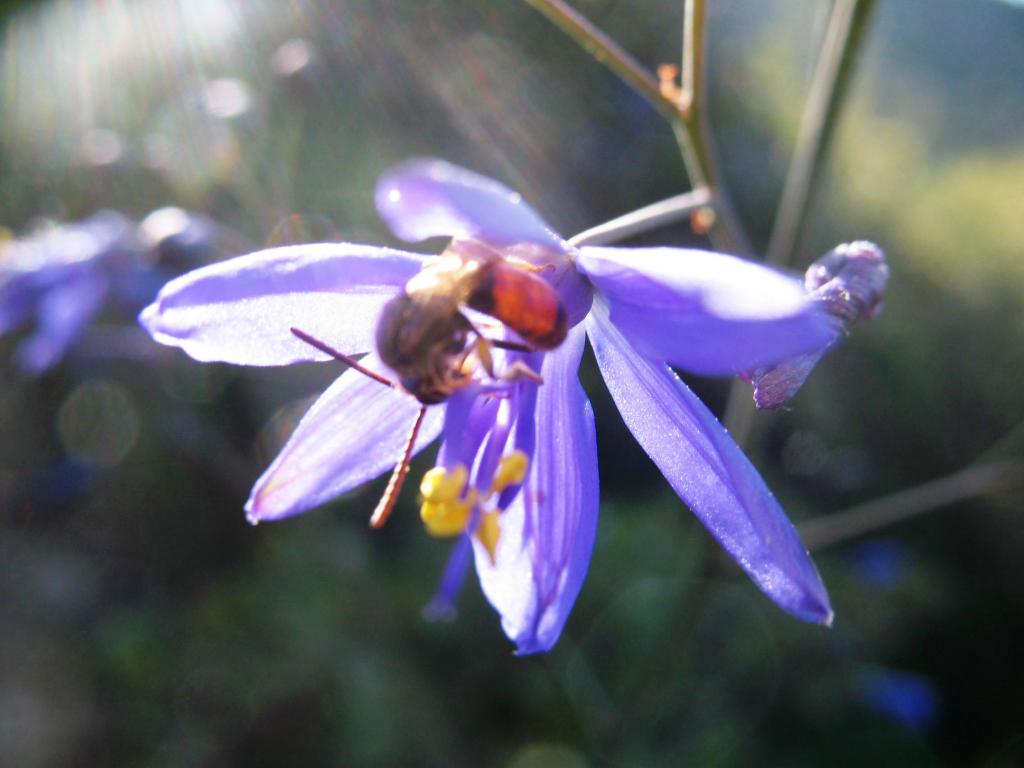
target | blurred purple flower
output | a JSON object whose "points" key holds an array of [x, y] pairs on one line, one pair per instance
{"points": [[909, 699], [880, 562], [60, 277], [516, 456]]}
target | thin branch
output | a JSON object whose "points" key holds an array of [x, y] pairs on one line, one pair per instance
{"points": [[645, 219], [832, 76], [738, 415], [874, 516], [685, 114], [693, 52], [829, 85], [608, 52], [693, 133]]}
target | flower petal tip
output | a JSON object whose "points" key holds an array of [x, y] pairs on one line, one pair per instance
{"points": [[269, 501], [251, 515], [814, 607], [148, 318], [428, 197], [529, 649], [536, 642], [439, 612]]}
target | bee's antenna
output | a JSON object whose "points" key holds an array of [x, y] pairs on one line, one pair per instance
{"points": [[349, 361], [390, 497], [387, 501]]}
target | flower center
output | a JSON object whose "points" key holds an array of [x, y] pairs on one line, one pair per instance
{"points": [[447, 505]]}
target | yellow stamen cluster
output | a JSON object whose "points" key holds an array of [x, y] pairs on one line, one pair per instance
{"points": [[447, 506], [445, 511]]}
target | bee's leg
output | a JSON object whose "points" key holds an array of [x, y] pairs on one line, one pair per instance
{"points": [[482, 347], [520, 370], [528, 266], [517, 370]]}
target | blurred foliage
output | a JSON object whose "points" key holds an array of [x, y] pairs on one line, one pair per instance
{"points": [[144, 623]]}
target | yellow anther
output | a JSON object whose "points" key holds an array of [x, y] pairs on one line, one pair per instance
{"points": [[441, 485], [511, 471], [444, 511], [447, 518], [488, 532]]}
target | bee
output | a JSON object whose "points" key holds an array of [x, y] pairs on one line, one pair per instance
{"points": [[425, 338]]}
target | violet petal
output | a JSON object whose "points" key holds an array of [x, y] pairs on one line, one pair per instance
{"points": [[426, 198], [776, 385], [17, 300], [241, 310], [63, 314], [709, 472], [467, 420], [547, 533], [848, 283], [706, 312], [354, 432]]}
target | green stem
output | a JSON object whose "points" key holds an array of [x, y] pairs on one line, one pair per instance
{"points": [[833, 73], [692, 82], [866, 519], [608, 52], [686, 115], [694, 136]]}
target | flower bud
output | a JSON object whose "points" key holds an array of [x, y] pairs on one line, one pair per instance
{"points": [[848, 283]]}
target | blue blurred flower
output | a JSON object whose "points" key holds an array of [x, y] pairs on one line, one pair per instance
{"points": [[880, 562], [909, 699], [516, 476], [61, 277]]}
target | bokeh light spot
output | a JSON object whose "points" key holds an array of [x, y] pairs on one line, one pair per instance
{"points": [[101, 146], [227, 98], [292, 57], [98, 423]]}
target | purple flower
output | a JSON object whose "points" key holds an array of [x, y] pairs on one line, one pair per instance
{"points": [[516, 476], [58, 279], [61, 277]]}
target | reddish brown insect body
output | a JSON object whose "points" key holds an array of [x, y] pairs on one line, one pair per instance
{"points": [[523, 301], [424, 336]]}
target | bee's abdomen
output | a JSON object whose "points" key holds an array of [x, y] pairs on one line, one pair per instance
{"points": [[524, 302]]}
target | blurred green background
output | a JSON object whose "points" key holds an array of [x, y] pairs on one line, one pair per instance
{"points": [[145, 623]]}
